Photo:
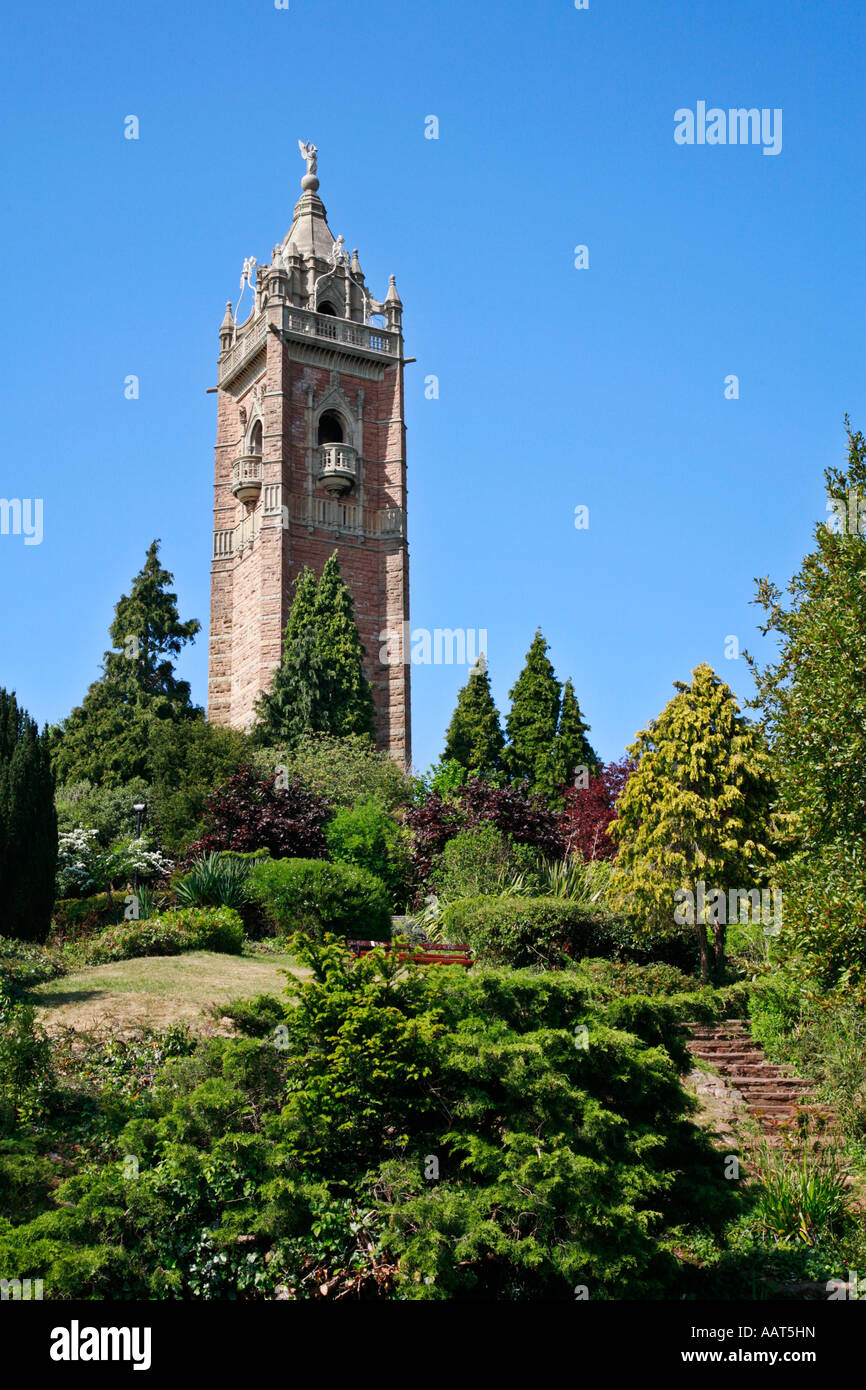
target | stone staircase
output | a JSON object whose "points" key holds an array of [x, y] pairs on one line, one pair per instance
{"points": [[778, 1102]]}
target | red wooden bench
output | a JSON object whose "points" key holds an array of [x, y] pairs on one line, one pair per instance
{"points": [[428, 955]]}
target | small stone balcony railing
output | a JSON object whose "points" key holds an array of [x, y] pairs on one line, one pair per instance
{"points": [[338, 467], [247, 478]]}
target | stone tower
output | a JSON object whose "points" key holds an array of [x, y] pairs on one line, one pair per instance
{"points": [[310, 457]]}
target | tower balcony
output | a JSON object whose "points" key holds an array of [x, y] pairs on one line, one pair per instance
{"points": [[247, 478], [338, 467]]}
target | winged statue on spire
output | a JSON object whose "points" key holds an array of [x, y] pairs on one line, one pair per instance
{"points": [[310, 154]]}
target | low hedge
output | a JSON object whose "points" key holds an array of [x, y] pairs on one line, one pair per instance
{"points": [[188, 929], [545, 932], [314, 896], [76, 917]]}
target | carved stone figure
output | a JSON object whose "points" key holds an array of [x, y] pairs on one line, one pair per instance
{"points": [[309, 153]]}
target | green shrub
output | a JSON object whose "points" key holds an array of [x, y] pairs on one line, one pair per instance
{"points": [[367, 836], [315, 897], [345, 771], [615, 978], [77, 917], [107, 810], [309, 1163], [523, 931], [188, 929], [209, 928], [256, 1017], [824, 1039], [24, 964], [26, 1071], [134, 939], [824, 929], [473, 862]]}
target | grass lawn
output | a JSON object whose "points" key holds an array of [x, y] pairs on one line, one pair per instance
{"points": [[155, 991]]}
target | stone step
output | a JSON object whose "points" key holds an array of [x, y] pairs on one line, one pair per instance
{"points": [[746, 1068], [742, 1081], [721, 1034], [775, 1109], [781, 1104], [733, 1054], [774, 1098]]}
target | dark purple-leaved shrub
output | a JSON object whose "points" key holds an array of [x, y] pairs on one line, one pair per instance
{"points": [[589, 811], [251, 812], [513, 810]]}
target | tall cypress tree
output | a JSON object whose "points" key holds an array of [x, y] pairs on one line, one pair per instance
{"points": [[572, 748], [319, 686], [533, 717], [28, 825], [105, 739], [349, 694], [474, 737]]}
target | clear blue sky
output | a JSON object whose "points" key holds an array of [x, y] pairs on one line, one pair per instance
{"points": [[558, 387]]}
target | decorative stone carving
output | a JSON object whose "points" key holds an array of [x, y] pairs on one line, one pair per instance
{"points": [[309, 153]]}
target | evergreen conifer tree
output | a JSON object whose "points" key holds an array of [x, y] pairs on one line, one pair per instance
{"points": [[28, 825], [533, 718], [319, 686], [105, 739], [474, 737], [572, 749], [696, 809]]}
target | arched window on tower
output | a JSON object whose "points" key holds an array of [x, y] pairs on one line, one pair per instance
{"points": [[327, 308], [256, 439], [331, 429]]}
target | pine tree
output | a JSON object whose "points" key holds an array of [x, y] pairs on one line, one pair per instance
{"points": [[571, 750], [28, 825], [474, 737], [695, 809], [105, 739], [319, 686], [533, 718]]}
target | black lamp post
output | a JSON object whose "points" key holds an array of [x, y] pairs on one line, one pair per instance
{"points": [[139, 808]]}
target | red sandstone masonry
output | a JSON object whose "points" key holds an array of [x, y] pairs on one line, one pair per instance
{"points": [[251, 593]]}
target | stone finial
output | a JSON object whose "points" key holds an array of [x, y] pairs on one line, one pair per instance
{"points": [[309, 183], [227, 327], [392, 297]]}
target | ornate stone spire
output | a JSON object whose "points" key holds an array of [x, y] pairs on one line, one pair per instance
{"points": [[309, 233]]}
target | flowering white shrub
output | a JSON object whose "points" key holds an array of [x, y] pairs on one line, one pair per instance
{"points": [[84, 867]]}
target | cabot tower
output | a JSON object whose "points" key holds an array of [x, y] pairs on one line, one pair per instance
{"points": [[310, 457]]}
